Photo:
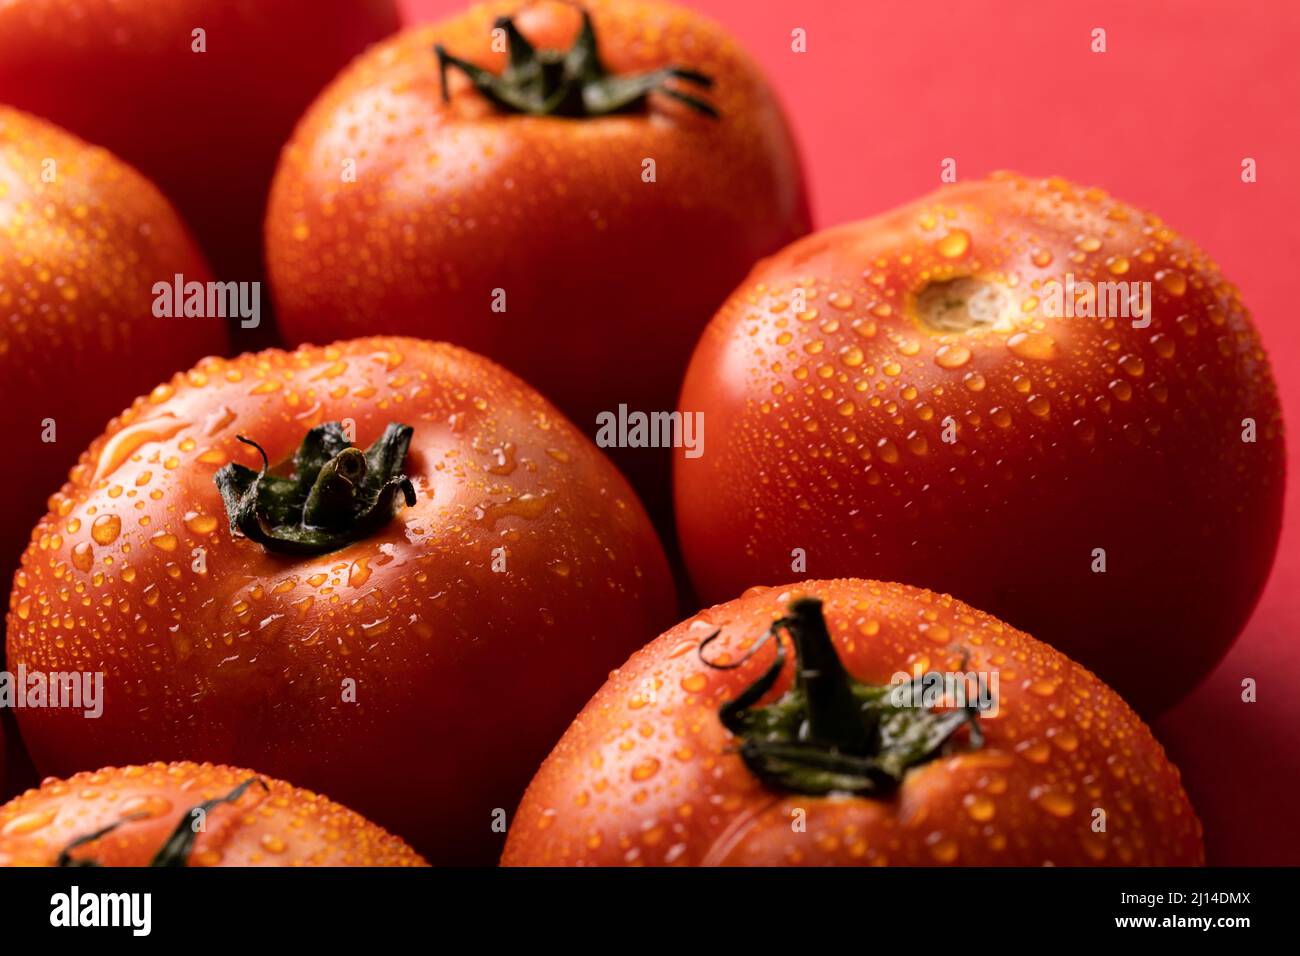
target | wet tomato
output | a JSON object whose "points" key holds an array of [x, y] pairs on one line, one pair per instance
{"points": [[1024, 393], [919, 731], [406, 628], [146, 815], [198, 94], [592, 223], [83, 240]]}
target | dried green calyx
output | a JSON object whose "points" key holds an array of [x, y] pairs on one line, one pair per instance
{"points": [[336, 494], [176, 850], [830, 733], [573, 82]]}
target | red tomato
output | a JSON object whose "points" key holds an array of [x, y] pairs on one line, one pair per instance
{"points": [[895, 398], [705, 750], [84, 239], [141, 816], [206, 126], [536, 239], [409, 633]]}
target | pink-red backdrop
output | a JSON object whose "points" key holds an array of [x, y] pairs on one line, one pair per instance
{"points": [[1185, 91]]}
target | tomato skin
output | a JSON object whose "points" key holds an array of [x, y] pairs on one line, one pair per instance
{"points": [[659, 782], [600, 270], [1122, 439], [457, 695], [289, 828], [207, 127], [78, 260]]}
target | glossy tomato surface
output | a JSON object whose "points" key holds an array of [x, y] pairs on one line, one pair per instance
{"points": [[417, 674], [83, 239], [1067, 774], [895, 399], [536, 240], [269, 823], [206, 126]]}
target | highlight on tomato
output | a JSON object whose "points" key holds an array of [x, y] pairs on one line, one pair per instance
{"points": [[1023, 392], [851, 722], [384, 569], [188, 814]]}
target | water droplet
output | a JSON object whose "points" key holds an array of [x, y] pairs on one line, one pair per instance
{"points": [[122, 445], [645, 769], [954, 244], [106, 528], [943, 850], [150, 805], [83, 556], [29, 822], [164, 541], [979, 808], [1132, 365], [1053, 801], [272, 843], [199, 523], [503, 459], [1035, 751], [1038, 346], [952, 356], [694, 683], [1173, 281]]}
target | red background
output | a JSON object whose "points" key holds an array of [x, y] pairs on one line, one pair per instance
{"points": [[1163, 119]]}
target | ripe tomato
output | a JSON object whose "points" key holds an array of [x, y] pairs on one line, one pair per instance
{"points": [[894, 398], [413, 660], [534, 237], [84, 237], [144, 816], [835, 768], [206, 126]]}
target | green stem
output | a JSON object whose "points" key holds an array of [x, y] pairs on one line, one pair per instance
{"points": [[573, 82], [830, 733], [335, 495], [834, 715]]}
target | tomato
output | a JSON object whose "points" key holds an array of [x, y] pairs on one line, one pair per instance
{"points": [[407, 630], [705, 750], [84, 239], [206, 126], [910, 398], [145, 815], [530, 236]]}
